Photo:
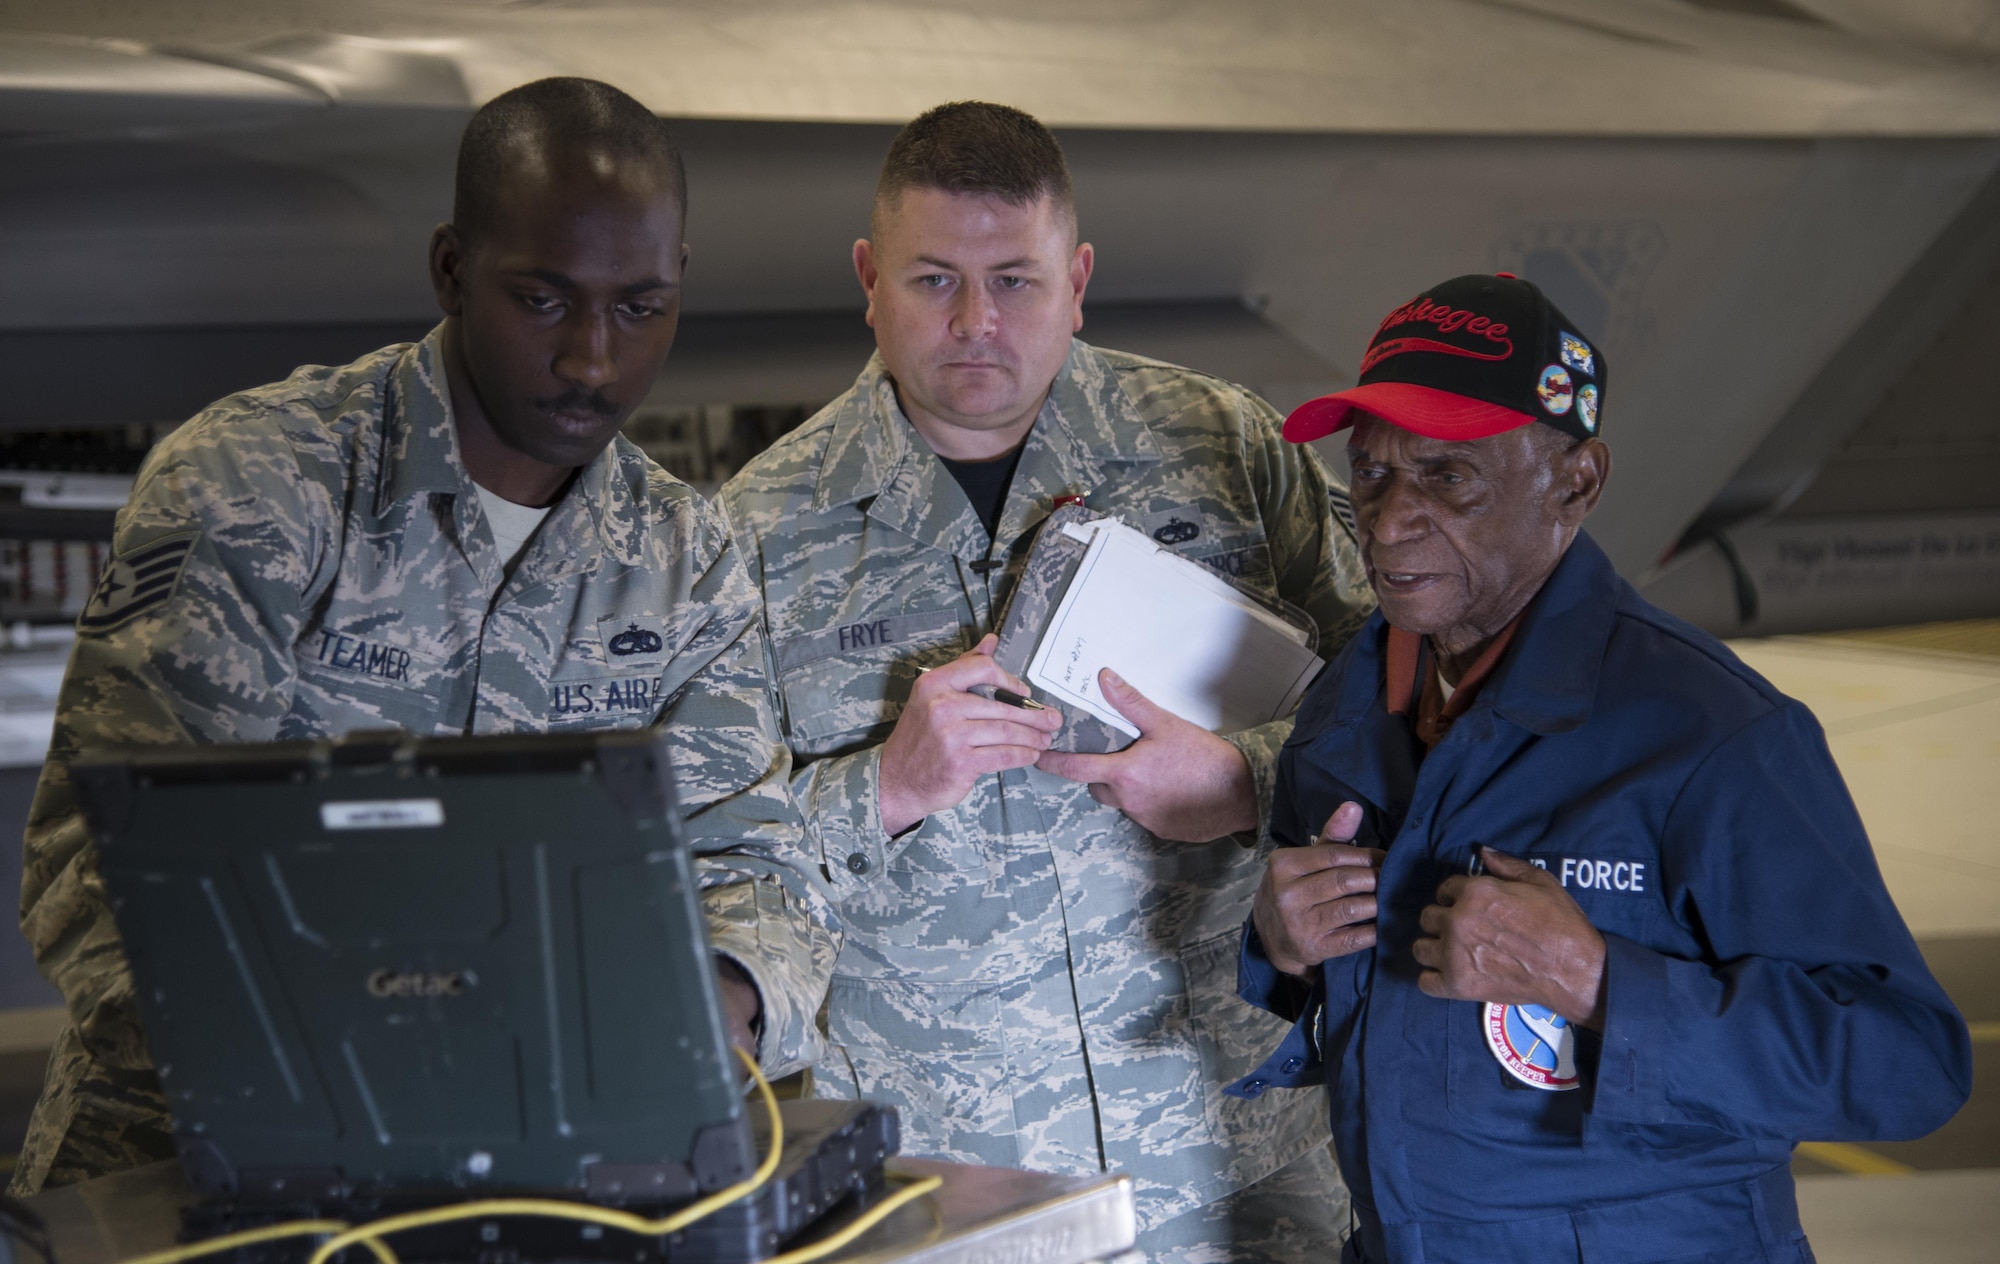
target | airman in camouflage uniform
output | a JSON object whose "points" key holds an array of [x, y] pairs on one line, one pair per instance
{"points": [[1032, 977], [325, 566], [1040, 947], [313, 557]]}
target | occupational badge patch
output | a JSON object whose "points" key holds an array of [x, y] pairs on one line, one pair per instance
{"points": [[1576, 353], [1556, 392], [1586, 407], [1537, 1046], [631, 638], [136, 582], [1179, 525]]}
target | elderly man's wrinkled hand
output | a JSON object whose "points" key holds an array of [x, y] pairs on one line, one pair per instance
{"points": [[1317, 903], [1512, 936], [1180, 781]]}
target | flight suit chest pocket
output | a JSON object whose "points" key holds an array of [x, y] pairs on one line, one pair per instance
{"points": [[1612, 873], [1515, 1071], [1616, 886], [844, 685]]}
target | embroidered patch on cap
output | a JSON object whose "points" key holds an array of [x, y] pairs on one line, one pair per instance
{"points": [[1586, 407], [1576, 353], [1555, 390], [142, 580], [1537, 1046]]}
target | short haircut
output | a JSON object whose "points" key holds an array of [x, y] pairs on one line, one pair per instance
{"points": [[559, 116], [976, 147]]}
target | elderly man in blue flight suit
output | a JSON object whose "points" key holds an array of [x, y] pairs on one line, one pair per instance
{"points": [[1580, 928]]}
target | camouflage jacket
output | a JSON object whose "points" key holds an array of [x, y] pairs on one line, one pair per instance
{"points": [[1031, 977], [311, 557]]}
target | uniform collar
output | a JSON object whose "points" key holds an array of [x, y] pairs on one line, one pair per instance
{"points": [[607, 502], [1548, 680], [874, 454], [420, 443]]}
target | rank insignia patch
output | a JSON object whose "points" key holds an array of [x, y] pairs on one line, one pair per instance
{"points": [[1576, 353], [1555, 390], [1537, 1046], [142, 580], [1586, 407]]}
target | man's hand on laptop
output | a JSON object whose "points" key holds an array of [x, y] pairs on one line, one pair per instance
{"points": [[1179, 780], [946, 739], [741, 1006]]}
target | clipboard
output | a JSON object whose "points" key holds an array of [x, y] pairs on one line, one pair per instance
{"points": [[1052, 565]]}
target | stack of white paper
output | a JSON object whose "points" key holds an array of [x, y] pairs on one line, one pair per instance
{"points": [[1176, 631]]}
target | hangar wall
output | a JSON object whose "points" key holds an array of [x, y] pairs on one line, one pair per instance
{"points": [[1721, 275]]}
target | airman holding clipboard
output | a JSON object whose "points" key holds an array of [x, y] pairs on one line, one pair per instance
{"points": [[1040, 952]]}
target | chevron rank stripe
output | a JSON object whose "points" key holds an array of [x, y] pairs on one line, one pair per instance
{"points": [[142, 580]]}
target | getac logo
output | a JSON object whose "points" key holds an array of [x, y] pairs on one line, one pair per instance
{"points": [[408, 983]]}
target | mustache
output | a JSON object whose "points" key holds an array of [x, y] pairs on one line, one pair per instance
{"points": [[576, 401]]}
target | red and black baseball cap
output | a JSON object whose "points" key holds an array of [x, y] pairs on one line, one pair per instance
{"points": [[1476, 356]]}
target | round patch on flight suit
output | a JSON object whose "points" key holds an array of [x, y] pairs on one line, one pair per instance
{"points": [[1555, 389], [1537, 1046]]}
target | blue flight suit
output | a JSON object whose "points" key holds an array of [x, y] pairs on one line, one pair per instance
{"points": [[1762, 988]]}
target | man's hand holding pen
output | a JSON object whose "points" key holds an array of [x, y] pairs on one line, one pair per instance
{"points": [[949, 736]]}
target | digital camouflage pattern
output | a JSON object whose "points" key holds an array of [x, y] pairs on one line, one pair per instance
{"points": [[1289, 1217], [311, 557], [1031, 977]]}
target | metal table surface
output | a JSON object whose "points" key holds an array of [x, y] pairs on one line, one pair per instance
{"points": [[981, 1215]]}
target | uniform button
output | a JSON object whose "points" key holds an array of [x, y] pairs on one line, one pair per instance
{"points": [[1255, 1088], [858, 862], [1292, 1064]]}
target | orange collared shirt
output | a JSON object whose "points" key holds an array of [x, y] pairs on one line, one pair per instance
{"points": [[1408, 655]]}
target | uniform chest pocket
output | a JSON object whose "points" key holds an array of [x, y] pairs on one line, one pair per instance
{"points": [[1504, 1065], [844, 686], [394, 690], [1481, 1089], [1245, 563], [1616, 891]]}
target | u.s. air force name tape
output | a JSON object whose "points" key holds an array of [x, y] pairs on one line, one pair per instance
{"points": [[136, 582]]}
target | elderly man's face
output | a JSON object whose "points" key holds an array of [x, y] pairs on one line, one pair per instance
{"points": [[973, 301], [1458, 536]]}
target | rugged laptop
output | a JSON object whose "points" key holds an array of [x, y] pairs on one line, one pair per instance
{"points": [[389, 972]]}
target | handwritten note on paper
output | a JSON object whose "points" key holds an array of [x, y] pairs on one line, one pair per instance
{"points": [[1179, 634]]}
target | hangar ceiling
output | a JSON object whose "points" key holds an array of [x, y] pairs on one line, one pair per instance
{"points": [[1568, 67], [1726, 192]]}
